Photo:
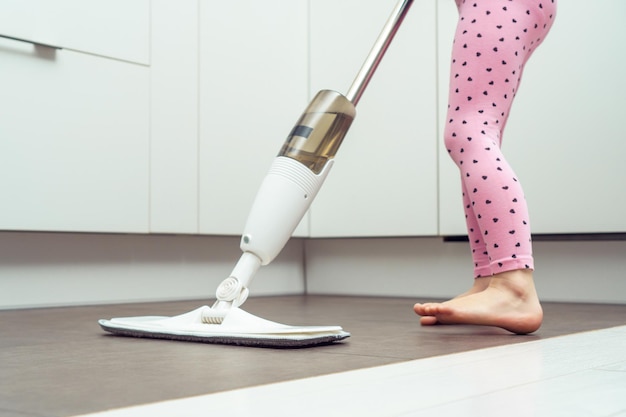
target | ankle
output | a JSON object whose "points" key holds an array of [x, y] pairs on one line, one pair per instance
{"points": [[518, 282], [481, 283]]}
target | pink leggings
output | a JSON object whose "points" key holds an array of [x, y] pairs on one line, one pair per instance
{"points": [[494, 39]]}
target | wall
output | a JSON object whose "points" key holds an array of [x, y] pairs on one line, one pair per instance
{"points": [[421, 268], [56, 269]]}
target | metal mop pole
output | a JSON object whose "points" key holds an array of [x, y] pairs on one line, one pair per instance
{"points": [[378, 51]]}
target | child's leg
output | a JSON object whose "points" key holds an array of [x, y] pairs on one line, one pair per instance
{"points": [[493, 41], [480, 255]]}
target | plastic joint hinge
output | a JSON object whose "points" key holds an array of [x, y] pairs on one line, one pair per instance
{"points": [[231, 289]]}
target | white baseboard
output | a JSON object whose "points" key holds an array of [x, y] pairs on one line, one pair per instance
{"points": [[62, 269], [59, 269], [567, 271]]}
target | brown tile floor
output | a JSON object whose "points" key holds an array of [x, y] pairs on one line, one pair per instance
{"points": [[58, 362]]}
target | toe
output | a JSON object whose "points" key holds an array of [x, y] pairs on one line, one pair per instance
{"points": [[428, 320]]}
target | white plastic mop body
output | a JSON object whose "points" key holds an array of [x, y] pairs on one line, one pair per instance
{"points": [[286, 193]]}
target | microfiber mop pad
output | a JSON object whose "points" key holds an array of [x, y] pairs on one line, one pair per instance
{"points": [[238, 328]]}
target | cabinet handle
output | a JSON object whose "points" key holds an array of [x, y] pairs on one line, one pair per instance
{"points": [[45, 45]]}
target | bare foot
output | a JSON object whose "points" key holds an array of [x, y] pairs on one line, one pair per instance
{"points": [[509, 301], [480, 284]]}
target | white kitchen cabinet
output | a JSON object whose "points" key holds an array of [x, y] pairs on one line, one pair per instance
{"points": [[164, 117], [565, 136], [451, 215], [253, 87], [174, 117], [116, 29], [384, 181], [74, 140]]}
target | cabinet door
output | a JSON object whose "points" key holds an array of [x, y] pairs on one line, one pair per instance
{"points": [[253, 87], [384, 179], [74, 145], [565, 136], [174, 117], [451, 216], [117, 29]]}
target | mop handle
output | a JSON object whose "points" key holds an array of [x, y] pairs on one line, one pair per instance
{"points": [[378, 51]]}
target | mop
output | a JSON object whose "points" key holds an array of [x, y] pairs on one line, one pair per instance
{"points": [[286, 193]]}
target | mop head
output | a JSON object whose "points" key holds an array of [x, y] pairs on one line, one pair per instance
{"points": [[238, 328]]}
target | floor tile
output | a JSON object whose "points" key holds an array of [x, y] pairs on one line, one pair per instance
{"points": [[41, 347], [545, 378]]}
